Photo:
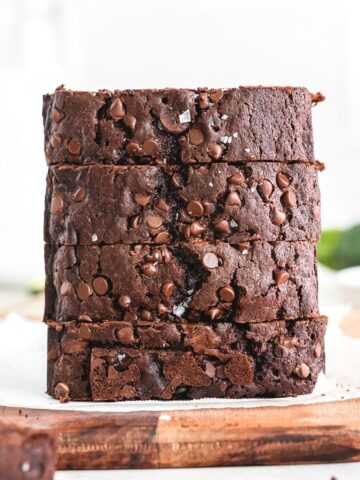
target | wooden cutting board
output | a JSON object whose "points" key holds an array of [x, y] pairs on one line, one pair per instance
{"points": [[327, 432]]}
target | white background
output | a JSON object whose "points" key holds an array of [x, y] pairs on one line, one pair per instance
{"points": [[91, 44]]}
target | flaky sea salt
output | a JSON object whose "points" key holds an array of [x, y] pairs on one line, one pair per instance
{"points": [[233, 223], [211, 184], [224, 117], [25, 467], [185, 117], [235, 134], [94, 237], [179, 310]]}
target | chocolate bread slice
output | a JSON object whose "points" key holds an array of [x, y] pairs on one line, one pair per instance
{"points": [[147, 360], [193, 281], [103, 204], [178, 125]]}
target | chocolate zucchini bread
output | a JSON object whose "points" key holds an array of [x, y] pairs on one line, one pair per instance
{"points": [[188, 281], [102, 204], [178, 126], [154, 360], [25, 453], [180, 230]]}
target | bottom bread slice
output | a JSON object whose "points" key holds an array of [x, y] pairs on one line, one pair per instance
{"points": [[144, 360]]}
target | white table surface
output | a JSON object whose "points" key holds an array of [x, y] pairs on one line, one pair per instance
{"points": [[338, 471]]}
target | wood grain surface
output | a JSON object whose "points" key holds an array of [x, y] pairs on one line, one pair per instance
{"points": [[327, 432]]}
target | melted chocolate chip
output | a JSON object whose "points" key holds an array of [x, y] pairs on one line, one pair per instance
{"points": [[227, 294], [83, 291], [79, 194], [74, 146], [195, 208], [100, 285], [154, 222], [196, 137]]}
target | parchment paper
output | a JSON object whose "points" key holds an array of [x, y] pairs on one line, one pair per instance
{"points": [[23, 374]]}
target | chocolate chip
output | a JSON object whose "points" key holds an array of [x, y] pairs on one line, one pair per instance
{"points": [[65, 289], [265, 188], [196, 229], [162, 205], [171, 125], [61, 392], [236, 179], [281, 277], [124, 301], [83, 291], [56, 115], [318, 350], [126, 335], [130, 121], [85, 318], [150, 148], [210, 260], [130, 316], [154, 222], [210, 370], [162, 309], [161, 238], [244, 247], [214, 313], [134, 149], [222, 226], [176, 180], [100, 285], [279, 216], [303, 370], [74, 146], [79, 194], [149, 270], [216, 95], [227, 294], [145, 315], [195, 208], [288, 342], [168, 289], [196, 137], [215, 151], [117, 110], [203, 101], [233, 199], [289, 199], [142, 199], [282, 180], [57, 204], [186, 231], [166, 255], [55, 141], [135, 221], [85, 332]]}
